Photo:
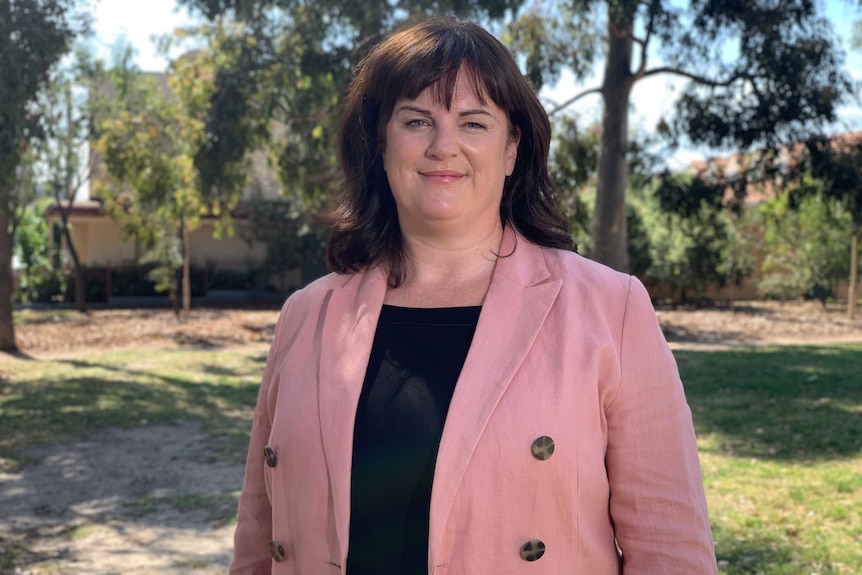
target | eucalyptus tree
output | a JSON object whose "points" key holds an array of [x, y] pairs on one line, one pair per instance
{"points": [[759, 73], [34, 36]]}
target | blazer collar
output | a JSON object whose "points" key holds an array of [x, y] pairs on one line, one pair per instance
{"points": [[518, 300]]}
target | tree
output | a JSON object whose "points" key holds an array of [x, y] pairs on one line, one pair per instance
{"points": [[805, 243], [71, 125], [34, 35], [695, 239], [760, 72], [572, 165], [837, 164], [35, 248], [283, 68], [291, 240], [573, 168], [151, 184], [157, 150]]}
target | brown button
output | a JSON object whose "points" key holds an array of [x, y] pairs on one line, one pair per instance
{"points": [[543, 448], [276, 550], [269, 456], [532, 550]]}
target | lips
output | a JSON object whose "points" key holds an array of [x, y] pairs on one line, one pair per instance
{"points": [[443, 176]]}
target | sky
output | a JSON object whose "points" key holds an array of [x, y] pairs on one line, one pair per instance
{"points": [[139, 21]]}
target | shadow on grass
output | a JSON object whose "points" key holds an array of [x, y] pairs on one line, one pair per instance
{"points": [[148, 439], [92, 395], [17, 354], [750, 554], [785, 403]]}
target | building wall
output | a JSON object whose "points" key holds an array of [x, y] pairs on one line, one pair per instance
{"points": [[231, 252], [104, 244], [100, 242]]}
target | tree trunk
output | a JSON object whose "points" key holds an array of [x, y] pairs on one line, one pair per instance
{"points": [[187, 282], [81, 289], [609, 234], [852, 293], [7, 327], [78, 272], [71, 191]]}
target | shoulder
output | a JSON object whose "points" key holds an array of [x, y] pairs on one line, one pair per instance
{"points": [[307, 301], [600, 293], [584, 275]]}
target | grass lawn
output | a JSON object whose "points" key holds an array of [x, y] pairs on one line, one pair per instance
{"points": [[779, 430], [51, 401], [780, 437]]}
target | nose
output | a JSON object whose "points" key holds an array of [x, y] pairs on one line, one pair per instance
{"points": [[444, 142]]}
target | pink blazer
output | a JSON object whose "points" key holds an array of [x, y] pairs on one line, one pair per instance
{"points": [[564, 349]]}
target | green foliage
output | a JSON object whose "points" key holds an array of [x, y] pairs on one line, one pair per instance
{"points": [[640, 253], [758, 73], [837, 165], [806, 245], [547, 35], [167, 256], [151, 187], [572, 167], [70, 124], [694, 240], [34, 35], [216, 88], [39, 277], [291, 242], [761, 72]]}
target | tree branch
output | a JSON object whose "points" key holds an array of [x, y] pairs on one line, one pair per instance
{"points": [[643, 44], [574, 99], [703, 79], [694, 77]]}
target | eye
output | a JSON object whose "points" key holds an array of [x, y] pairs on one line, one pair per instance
{"points": [[416, 123], [474, 126]]}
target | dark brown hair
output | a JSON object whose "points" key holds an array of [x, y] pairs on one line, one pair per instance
{"points": [[366, 230]]}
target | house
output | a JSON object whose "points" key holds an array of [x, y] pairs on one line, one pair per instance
{"points": [[101, 243]]}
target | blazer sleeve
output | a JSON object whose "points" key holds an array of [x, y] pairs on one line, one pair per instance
{"points": [[657, 503], [254, 519]]}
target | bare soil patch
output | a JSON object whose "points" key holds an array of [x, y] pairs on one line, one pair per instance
{"points": [[70, 332], [144, 500], [147, 500], [760, 323], [747, 323]]}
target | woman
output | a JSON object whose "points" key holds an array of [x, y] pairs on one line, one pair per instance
{"points": [[464, 395]]}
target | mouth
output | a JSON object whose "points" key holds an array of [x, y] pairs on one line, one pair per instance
{"points": [[442, 176]]}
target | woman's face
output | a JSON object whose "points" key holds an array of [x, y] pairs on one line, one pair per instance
{"points": [[447, 167]]}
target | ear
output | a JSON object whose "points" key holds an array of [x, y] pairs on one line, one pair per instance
{"points": [[512, 151]]}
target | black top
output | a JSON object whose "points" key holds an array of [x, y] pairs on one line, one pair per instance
{"points": [[415, 361]]}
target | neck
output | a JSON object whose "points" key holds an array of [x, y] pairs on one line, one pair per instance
{"points": [[447, 271]]}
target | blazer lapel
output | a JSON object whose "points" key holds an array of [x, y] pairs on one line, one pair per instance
{"points": [[517, 303], [349, 323]]}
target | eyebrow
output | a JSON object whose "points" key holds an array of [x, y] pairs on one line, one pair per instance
{"points": [[424, 112]]}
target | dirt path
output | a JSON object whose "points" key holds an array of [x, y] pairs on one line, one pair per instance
{"points": [[148, 500], [140, 501]]}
